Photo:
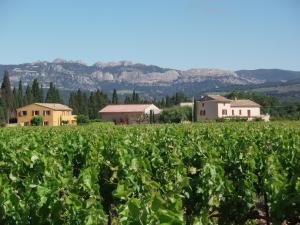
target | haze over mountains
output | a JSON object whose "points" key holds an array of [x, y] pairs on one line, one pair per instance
{"points": [[149, 80]]}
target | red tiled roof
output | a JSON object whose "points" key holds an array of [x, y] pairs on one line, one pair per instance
{"points": [[125, 108]]}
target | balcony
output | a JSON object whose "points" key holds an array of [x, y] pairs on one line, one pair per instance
{"points": [[70, 119]]}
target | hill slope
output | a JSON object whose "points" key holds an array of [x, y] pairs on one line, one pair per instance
{"points": [[149, 80]]}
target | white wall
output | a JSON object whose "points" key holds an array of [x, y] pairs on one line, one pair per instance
{"points": [[213, 110], [224, 106], [254, 111], [155, 109]]}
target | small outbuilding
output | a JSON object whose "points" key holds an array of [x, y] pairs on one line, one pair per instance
{"points": [[129, 113]]}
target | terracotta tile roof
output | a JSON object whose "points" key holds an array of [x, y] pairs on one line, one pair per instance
{"points": [[215, 98], [54, 106], [125, 108], [243, 103]]}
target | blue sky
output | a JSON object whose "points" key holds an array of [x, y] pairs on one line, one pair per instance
{"points": [[228, 34]]}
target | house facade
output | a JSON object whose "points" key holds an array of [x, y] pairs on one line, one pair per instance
{"points": [[215, 106], [128, 113], [53, 114]]}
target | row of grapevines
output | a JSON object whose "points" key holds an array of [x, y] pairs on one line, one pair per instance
{"points": [[235, 173]]}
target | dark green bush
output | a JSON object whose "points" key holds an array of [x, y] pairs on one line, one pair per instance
{"points": [[82, 119], [176, 115], [36, 121]]}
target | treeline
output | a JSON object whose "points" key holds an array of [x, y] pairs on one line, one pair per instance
{"points": [[88, 104], [170, 101], [271, 105], [13, 98]]}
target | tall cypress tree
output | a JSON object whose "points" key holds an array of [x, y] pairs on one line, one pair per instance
{"points": [[93, 112], [73, 103], [28, 97], [127, 100], [115, 99], [135, 97], [35, 91], [82, 100], [7, 97], [168, 101], [97, 101], [14, 102], [57, 96], [20, 94], [53, 95]]}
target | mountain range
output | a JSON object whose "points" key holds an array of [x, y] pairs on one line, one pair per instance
{"points": [[149, 80]]}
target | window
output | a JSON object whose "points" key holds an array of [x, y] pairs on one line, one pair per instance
{"points": [[22, 113], [224, 112], [35, 113], [233, 112], [240, 112], [46, 113], [46, 123], [26, 124], [202, 104], [202, 112], [249, 113]]}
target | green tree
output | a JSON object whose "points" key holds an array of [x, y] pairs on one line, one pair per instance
{"points": [[28, 96], [14, 102], [2, 116], [73, 103], [97, 101], [127, 100], [115, 99], [82, 119], [53, 95], [37, 94], [135, 97], [79, 102], [168, 101], [7, 96], [176, 115], [20, 94]]}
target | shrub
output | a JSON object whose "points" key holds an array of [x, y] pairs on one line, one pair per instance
{"points": [[2, 124], [232, 119], [176, 115], [64, 122], [36, 121], [82, 119]]}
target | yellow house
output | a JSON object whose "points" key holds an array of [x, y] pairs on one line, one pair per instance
{"points": [[54, 114]]}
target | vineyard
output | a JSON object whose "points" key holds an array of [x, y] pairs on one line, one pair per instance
{"points": [[214, 173]]}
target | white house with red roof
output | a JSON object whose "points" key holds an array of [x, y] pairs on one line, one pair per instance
{"points": [[215, 106], [128, 113]]}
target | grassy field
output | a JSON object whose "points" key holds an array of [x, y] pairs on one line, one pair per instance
{"points": [[205, 173]]}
